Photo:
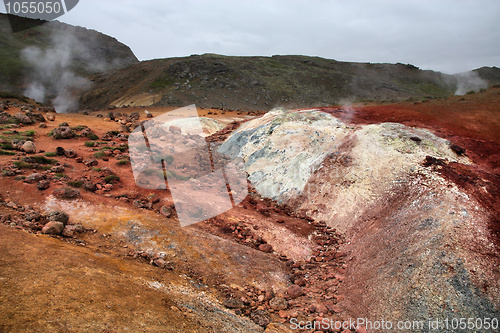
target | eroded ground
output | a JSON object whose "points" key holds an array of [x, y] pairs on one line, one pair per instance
{"points": [[131, 267]]}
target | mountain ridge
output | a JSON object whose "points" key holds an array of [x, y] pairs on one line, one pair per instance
{"points": [[261, 83]]}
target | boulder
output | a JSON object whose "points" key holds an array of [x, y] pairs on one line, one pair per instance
{"points": [[23, 119], [278, 303], [34, 178], [295, 291], [58, 216], [66, 193], [51, 116], [29, 147], [43, 184], [71, 230], [63, 132], [53, 228]]}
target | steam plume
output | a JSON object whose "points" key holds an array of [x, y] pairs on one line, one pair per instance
{"points": [[468, 81]]}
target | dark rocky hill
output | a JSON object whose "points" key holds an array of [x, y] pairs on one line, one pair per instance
{"points": [[261, 83], [54, 59]]}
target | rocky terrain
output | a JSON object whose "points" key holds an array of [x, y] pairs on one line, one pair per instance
{"points": [[262, 83], [379, 211], [44, 61]]}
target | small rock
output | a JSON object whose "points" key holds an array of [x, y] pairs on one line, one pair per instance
{"points": [[53, 228], [89, 186], [232, 303], [42, 125], [71, 230], [57, 169], [51, 116], [260, 317], [33, 178], [90, 162], [160, 263], [58, 216], [70, 153], [60, 151], [29, 147], [277, 328], [43, 184], [175, 129], [24, 119], [300, 282], [295, 291], [266, 248], [32, 215], [124, 129], [66, 193], [166, 211], [278, 303]]}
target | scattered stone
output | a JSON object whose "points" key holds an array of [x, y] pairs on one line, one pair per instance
{"points": [[89, 186], [175, 129], [64, 132], [22, 118], [260, 317], [124, 129], [71, 230], [29, 147], [17, 144], [166, 211], [43, 184], [70, 153], [295, 291], [79, 160], [53, 228], [57, 169], [135, 115], [232, 303], [36, 117], [66, 193], [457, 149], [139, 204], [278, 303], [58, 216], [90, 162], [266, 248], [60, 151], [42, 125], [262, 209], [32, 215], [106, 137], [277, 328], [51, 116], [34, 178]]}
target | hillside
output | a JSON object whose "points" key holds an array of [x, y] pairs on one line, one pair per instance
{"points": [[55, 56], [261, 83], [391, 211]]}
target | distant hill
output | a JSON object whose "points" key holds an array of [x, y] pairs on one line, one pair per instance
{"points": [[261, 83], [75, 68], [53, 53]]}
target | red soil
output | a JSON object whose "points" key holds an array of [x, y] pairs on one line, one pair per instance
{"points": [[471, 122]]}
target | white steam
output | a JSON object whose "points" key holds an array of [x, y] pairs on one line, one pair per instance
{"points": [[469, 81], [347, 109], [51, 74]]}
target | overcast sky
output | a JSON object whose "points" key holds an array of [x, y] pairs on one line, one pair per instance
{"points": [[445, 35]]}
